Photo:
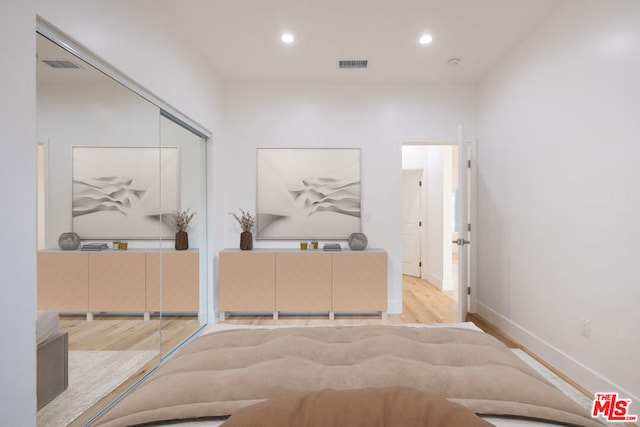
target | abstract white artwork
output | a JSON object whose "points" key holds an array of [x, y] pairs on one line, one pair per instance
{"points": [[308, 193], [125, 192]]}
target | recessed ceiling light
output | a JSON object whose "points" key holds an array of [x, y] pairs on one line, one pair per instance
{"points": [[287, 38], [425, 39]]}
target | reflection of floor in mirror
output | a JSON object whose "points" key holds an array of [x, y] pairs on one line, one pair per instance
{"points": [[107, 333], [92, 375], [124, 333]]}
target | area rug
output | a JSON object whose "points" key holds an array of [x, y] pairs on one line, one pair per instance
{"points": [[92, 375], [575, 394]]}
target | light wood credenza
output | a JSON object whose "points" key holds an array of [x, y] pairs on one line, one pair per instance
{"points": [[291, 280], [118, 281]]}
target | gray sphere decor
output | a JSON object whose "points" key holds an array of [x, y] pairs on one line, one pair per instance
{"points": [[69, 241], [358, 241]]}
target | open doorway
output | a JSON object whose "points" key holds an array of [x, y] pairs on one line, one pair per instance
{"points": [[430, 188]]}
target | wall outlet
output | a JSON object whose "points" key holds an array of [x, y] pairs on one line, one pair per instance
{"points": [[585, 328]]}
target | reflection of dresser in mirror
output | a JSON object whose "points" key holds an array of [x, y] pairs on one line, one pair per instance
{"points": [[118, 281]]}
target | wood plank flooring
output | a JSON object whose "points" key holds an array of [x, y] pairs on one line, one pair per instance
{"points": [[117, 333], [423, 302]]}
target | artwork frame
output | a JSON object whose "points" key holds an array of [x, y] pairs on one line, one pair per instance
{"points": [[308, 193], [124, 192]]}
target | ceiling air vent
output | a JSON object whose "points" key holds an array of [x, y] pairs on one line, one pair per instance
{"points": [[352, 63], [60, 63]]}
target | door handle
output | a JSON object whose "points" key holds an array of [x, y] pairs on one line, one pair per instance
{"points": [[461, 242]]}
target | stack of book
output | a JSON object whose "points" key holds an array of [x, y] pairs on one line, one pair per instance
{"points": [[94, 247], [332, 247]]}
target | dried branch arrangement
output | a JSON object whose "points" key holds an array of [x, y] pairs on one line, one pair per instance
{"points": [[182, 220], [246, 221]]}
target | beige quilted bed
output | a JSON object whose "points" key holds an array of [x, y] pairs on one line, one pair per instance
{"points": [[218, 373]]}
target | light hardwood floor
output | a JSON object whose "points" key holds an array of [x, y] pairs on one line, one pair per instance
{"points": [[117, 333]]}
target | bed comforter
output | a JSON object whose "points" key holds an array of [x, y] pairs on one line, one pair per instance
{"points": [[218, 373]]}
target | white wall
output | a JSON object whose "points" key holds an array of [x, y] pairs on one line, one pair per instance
{"points": [[375, 118], [558, 193], [414, 156], [18, 186]]}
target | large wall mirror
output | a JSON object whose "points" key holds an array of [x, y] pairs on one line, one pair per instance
{"points": [[119, 295]]}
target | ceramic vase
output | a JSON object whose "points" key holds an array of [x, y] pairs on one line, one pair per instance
{"points": [[69, 241], [182, 241], [358, 241], [246, 241]]}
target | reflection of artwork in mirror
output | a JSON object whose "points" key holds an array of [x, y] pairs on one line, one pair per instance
{"points": [[125, 192], [308, 193]]}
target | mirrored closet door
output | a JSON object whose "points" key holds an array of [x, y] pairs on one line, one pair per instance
{"points": [[119, 179], [182, 261]]}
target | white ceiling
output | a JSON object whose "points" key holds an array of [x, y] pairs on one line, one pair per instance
{"points": [[241, 38]]}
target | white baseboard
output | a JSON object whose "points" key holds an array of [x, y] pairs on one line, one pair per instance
{"points": [[432, 278], [394, 307], [572, 368]]}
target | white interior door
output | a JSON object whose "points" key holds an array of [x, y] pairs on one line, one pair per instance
{"points": [[462, 215], [411, 222]]}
